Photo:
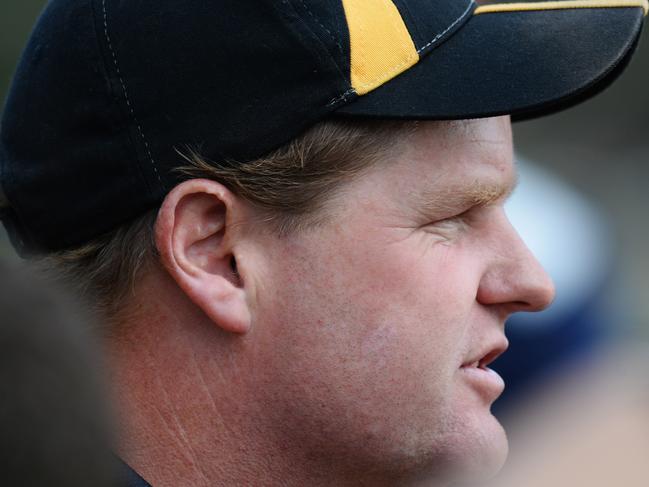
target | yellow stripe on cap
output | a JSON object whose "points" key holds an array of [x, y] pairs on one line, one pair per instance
{"points": [[568, 4], [380, 44]]}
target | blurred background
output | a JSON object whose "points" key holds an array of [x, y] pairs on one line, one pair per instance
{"points": [[582, 207]]}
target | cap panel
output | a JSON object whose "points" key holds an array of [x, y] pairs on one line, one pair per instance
{"points": [[67, 155], [381, 46]]}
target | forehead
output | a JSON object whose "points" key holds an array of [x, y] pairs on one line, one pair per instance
{"points": [[464, 147], [444, 159]]}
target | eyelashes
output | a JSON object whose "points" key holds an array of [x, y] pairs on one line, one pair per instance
{"points": [[455, 225], [448, 228], [461, 219]]}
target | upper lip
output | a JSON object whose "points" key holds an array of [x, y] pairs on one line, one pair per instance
{"points": [[487, 354]]}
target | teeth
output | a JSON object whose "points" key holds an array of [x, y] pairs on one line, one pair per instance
{"points": [[475, 365]]}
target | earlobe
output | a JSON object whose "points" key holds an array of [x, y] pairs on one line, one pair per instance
{"points": [[198, 242]]}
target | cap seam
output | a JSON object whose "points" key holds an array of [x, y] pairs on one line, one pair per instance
{"points": [[125, 91], [407, 12], [342, 97], [331, 36], [334, 101], [445, 31], [289, 3], [118, 118], [388, 75]]}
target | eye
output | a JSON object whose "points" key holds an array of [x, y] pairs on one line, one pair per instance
{"points": [[461, 219], [450, 226]]}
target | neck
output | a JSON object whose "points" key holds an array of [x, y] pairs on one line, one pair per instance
{"points": [[187, 411]]}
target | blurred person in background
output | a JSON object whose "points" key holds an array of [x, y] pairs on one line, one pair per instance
{"points": [[54, 417], [296, 295]]}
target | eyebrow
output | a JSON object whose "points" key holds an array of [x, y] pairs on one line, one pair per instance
{"points": [[478, 193]]}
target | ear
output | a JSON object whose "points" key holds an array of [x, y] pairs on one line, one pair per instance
{"points": [[197, 239]]}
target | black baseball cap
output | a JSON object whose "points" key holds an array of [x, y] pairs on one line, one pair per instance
{"points": [[109, 93]]}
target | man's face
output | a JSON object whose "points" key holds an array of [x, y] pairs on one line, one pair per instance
{"points": [[373, 322]]}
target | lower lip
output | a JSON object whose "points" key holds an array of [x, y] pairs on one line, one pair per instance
{"points": [[486, 381]]}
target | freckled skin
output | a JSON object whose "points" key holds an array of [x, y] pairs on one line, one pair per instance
{"points": [[372, 315]]}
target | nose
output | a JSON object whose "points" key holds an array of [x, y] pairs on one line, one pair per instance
{"points": [[515, 280]]}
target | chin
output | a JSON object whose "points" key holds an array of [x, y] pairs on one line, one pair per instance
{"points": [[496, 449], [477, 449]]}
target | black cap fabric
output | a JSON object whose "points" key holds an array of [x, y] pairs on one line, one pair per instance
{"points": [[109, 93]]}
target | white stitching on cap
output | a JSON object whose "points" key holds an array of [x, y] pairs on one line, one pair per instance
{"points": [[441, 34], [337, 99], [340, 48], [128, 101], [341, 97]]}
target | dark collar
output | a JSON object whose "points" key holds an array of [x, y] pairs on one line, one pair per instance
{"points": [[130, 478]]}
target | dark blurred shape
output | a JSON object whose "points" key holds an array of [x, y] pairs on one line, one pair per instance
{"points": [[53, 415]]}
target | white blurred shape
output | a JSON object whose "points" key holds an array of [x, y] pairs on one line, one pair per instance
{"points": [[566, 233]]}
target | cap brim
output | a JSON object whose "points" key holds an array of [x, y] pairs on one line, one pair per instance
{"points": [[522, 63]]}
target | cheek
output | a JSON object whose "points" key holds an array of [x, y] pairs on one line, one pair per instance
{"points": [[428, 295], [383, 327], [370, 303]]}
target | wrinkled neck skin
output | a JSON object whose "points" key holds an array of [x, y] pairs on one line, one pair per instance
{"points": [[189, 411]]}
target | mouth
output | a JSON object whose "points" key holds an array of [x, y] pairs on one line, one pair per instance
{"points": [[489, 357], [483, 379]]}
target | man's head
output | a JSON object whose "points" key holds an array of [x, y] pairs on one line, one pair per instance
{"points": [[365, 338], [310, 298]]}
